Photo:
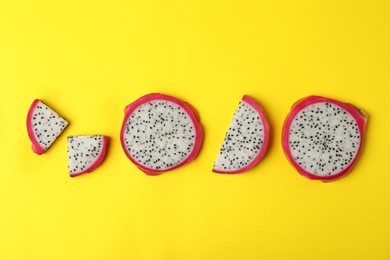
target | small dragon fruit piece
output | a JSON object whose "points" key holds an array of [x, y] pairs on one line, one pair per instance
{"points": [[322, 137], [160, 133], [246, 141], [44, 125], [85, 153]]}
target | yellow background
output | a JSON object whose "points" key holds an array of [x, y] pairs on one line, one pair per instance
{"points": [[89, 59]]}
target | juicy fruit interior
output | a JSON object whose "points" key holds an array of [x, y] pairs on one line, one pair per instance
{"points": [[83, 151], [243, 140], [47, 124], [324, 139], [159, 135]]}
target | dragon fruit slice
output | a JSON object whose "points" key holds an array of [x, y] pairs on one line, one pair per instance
{"points": [[322, 137], [44, 125], [85, 153], [160, 133], [246, 141]]}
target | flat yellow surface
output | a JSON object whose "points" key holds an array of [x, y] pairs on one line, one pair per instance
{"points": [[89, 59]]}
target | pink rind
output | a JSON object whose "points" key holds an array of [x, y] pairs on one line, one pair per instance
{"points": [[98, 162], [249, 100], [36, 147], [190, 111], [359, 115]]}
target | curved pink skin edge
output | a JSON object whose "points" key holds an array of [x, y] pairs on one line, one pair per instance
{"points": [[99, 161], [186, 106], [359, 115], [263, 150], [36, 147]]}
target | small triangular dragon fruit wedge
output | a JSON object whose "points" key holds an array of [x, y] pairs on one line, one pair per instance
{"points": [[85, 153], [160, 133], [246, 140], [44, 125], [322, 137]]}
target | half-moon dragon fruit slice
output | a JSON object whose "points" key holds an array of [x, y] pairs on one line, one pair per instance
{"points": [[44, 125], [246, 141], [160, 133], [322, 137], [85, 153]]}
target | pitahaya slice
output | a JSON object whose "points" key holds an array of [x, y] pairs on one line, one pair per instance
{"points": [[160, 133], [44, 125], [85, 153], [322, 137], [246, 141]]}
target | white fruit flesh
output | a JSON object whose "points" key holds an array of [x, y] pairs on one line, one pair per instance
{"points": [[83, 152], [324, 139], [159, 135], [243, 140], [46, 124]]}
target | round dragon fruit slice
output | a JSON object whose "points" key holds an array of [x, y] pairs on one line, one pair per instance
{"points": [[160, 133], [44, 125], [246, 141], [85, 153], [322, 137]]}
